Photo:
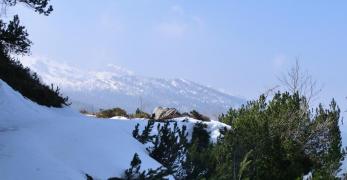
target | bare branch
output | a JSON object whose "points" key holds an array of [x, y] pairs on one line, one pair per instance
{"points": [[271, 91], [298, 81]]}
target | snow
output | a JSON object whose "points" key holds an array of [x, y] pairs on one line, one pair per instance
{"points": [[47, 143], [213, 127], [307, 176], [119, 118], [113, 86], [40, 143]]}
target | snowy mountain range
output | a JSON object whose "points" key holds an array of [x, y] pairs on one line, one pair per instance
{"points": [[114, 86]]}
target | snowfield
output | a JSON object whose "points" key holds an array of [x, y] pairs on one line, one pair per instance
{"points": [[41, 143]]}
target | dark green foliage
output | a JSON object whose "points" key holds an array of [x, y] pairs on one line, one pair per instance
{"points": [[14, 37], [14, 40], [115, 178], [134, 172], [286, 141], [136, 131], [200, 135], [182, 137], [167, 147], [324, 144], [40, 6], [28, 84], [276, 139], [229, 117], [156, 174], [196, 115], [89, 177], [198, 163], [255, 129], [140, 114], [146, 133], [108, 113]]}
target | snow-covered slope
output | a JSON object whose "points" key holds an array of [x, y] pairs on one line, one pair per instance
{"points": [[46, 143], [114, 86], [42, 143]]}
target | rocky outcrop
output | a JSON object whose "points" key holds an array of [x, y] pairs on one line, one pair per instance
{"points": [[161, 113]]}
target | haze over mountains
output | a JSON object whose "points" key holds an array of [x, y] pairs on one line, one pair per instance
{"points": [[114, 86]]}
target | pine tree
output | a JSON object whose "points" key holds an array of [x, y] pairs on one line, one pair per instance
{"points": [[136, 131], [14, 41], [285, 138], [325, 144], [200, 135], [279, 138], [198, 163], [40, 6], [162, 151], [146, 133], [169, 146], [134, 171], [14, 37]]}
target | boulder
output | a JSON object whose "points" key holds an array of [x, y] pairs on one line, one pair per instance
{"points": [[161, 113]]}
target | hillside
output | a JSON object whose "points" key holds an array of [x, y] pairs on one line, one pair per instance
{"points": [[38, 142], [115, 86]]}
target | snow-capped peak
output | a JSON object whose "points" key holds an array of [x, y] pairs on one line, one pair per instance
{"points": [[120, 70], [116, 86]]}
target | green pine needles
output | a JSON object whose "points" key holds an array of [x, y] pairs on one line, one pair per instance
{"points": [[280, 138]]}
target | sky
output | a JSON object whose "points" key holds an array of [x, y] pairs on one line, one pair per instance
{"points": [[240, 47]]}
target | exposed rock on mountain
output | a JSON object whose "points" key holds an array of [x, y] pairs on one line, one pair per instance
{"points": [[165, 113]]}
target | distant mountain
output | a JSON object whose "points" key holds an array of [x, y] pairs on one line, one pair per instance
{"points": [[114, 86]]}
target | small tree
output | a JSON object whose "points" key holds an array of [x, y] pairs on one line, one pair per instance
{"points": [[134, 171]]}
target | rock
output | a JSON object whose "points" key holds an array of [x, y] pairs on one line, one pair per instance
{"points": [[161, 113]]}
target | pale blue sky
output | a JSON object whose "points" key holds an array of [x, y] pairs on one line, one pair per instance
{"points": [[237, 46]]}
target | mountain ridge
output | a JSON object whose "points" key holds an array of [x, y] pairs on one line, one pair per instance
{"points": [[115, 86]]}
